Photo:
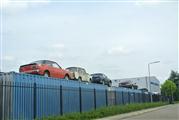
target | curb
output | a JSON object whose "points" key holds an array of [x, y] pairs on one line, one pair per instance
{"points": [[131, 114]]}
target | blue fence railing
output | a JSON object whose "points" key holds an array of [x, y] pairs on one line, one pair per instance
{"points": [[24, 96]]}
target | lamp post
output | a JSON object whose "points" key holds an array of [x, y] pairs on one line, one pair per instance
{"points": [[149, 78]]}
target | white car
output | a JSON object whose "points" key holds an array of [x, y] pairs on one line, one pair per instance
{"points": [[80, 74]]}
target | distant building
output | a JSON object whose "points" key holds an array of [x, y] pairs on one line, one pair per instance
{"points": [[141, 83], [128, 84]]}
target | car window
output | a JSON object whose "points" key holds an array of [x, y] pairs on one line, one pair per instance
{"points": [[38, 62], [97, 75], [81, 71], [72, 69], [48, 63], [55, 65], [84, 71], [104, 76]]}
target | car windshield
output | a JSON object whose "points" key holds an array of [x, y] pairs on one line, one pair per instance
{"points": [[97, 75], [38, 62], [74, 69]]}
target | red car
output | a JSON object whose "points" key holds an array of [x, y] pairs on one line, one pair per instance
{"points": [[46, 68]]}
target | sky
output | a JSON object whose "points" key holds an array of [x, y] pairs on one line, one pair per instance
{"points": [[116, 38]]}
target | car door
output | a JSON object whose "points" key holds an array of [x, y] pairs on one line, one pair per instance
{"points": [[85, 75], [80, 72], [105, 79], [58, 71], [49, 68]]}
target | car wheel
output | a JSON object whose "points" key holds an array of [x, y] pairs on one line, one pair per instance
{"points": [[79, 79], [66, 77], [109, 84], [47, 74]]}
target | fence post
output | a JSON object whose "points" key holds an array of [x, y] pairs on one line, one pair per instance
{"points": [[34, 100], [1, 100], [106, 91], [143, 97], [134, 98], [138, 96], [94, 98], [61, 100], [115, 95], [129, 97], [80, 99], [123, 97], [4, 117]]}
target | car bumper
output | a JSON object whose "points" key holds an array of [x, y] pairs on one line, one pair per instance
{"points": [[31, 71]]}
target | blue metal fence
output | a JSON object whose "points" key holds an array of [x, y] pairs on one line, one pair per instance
{"points": [[24, 96]]}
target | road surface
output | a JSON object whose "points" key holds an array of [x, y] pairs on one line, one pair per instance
{"points": [[169, 112]]}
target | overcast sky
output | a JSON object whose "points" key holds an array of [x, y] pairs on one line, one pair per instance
{"points": [[115, 38]]}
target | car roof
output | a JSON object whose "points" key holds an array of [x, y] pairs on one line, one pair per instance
{"points": [[75, 67], [97, 74], [44, 61]]}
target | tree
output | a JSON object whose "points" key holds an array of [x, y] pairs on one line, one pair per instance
{"points": [[168, 88], [174, 76], [176, 95]]}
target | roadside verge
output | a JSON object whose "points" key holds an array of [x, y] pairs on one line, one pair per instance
{"points": [[131, 114], [107, 111]]}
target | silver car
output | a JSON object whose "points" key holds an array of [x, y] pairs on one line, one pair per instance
{"points": [[80, 74]]}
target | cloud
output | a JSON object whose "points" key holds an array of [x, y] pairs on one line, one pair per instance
{"points": [[53, 51], [58, 46], [148, 2], [10, 3], [4, 3], [118, 51], [8, 58], [21, 4]]}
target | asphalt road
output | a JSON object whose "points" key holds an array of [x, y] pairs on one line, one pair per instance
{"points": [[169, 112]]}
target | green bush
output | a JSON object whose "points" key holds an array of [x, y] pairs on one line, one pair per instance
{"points": [[105, 111]]}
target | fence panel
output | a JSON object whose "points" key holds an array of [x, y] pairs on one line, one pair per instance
{"points": [[71, 102], [24, 96], [87, 98], [100, 98], [137, 97], [1, 99], [131, 95], [119, 98], [111, 97], [21, 101], [47, 100], [126, 97]]}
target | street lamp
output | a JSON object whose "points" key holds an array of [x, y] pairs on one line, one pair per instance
{"points": [[149, 78]]}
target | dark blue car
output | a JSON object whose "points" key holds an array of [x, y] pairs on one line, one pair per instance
{"points": [[101, 78]]}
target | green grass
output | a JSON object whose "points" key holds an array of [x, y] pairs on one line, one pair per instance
{"points": [[105, 111]]}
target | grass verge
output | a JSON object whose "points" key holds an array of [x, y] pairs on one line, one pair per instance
{"points": [[106, 111], [176, 102]]}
